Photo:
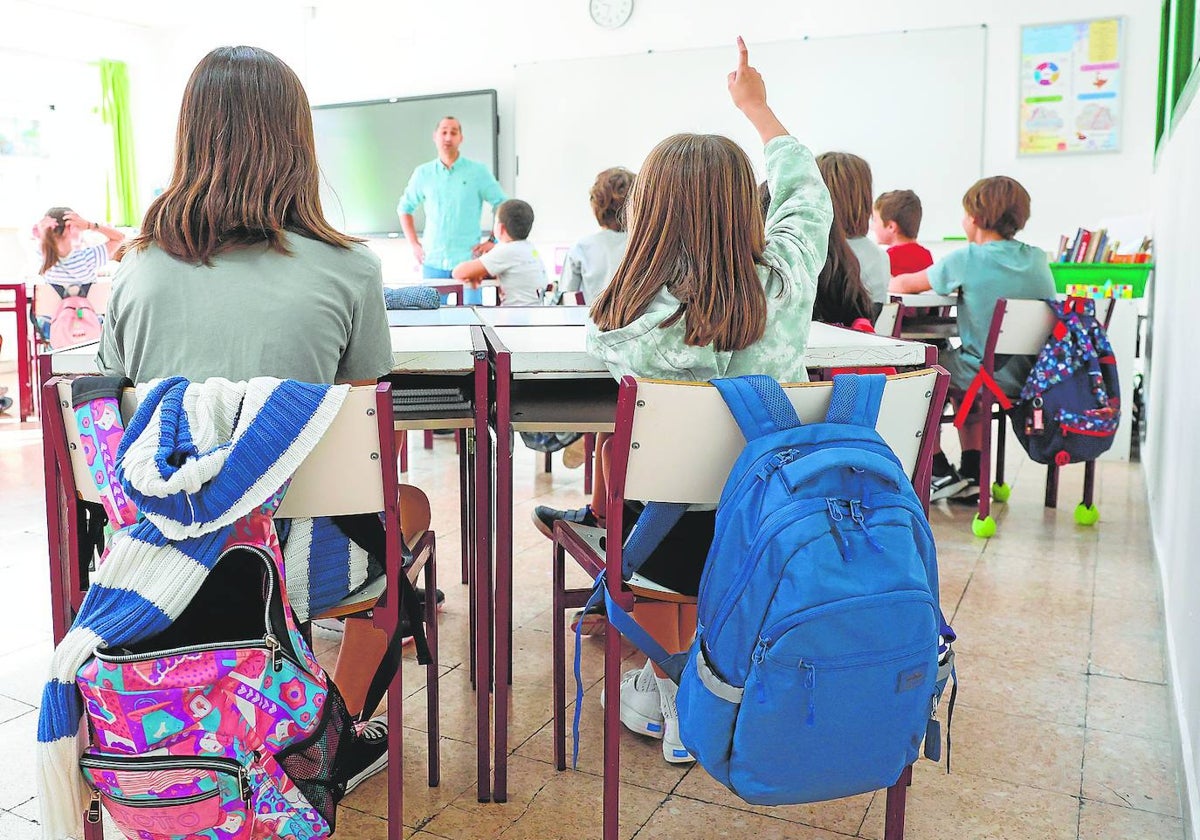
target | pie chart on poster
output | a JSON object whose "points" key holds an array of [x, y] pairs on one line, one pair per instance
{"points": [[1046, 73]]}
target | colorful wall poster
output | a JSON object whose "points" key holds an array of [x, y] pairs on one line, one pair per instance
{"points": [[1071, 87]]}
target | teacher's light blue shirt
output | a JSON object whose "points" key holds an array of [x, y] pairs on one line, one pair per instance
{"points": [[453, 198]]}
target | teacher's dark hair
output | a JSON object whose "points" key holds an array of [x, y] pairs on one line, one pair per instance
{"points": [[245, 162]]}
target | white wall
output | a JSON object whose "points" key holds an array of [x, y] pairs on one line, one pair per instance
{"points": [[353, 50], [1172, 452]]}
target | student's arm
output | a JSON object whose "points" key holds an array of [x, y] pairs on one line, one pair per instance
{"points": [[413, 197], [905, 284], [113, 236], [801, 211], [471, 271]]}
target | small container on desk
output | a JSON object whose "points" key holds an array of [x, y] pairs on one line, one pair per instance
{"points": [[1102, 280]]}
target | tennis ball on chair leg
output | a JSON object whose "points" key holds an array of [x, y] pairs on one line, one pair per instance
{"points": [[1085, 515], [983, 528], [1001, 492]]}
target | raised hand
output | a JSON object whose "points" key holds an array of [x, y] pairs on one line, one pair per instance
{"points": [[75, 221], [746, 86]]}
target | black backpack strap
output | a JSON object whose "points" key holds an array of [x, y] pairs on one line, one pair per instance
{"points": [[366, 531]]}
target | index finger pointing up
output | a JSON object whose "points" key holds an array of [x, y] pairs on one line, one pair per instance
{"points": [[743, 54]]}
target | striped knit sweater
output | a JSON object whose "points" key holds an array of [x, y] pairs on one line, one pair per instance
{"points": [[194, 459]]}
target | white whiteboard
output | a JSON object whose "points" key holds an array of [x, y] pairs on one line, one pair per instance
{"points": [[576, 117]]}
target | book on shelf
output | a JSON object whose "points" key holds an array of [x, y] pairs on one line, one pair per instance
{"points": [[1095, 246]]}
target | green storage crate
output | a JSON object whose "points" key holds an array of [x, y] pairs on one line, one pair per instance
{"points": [[1101, 278]]}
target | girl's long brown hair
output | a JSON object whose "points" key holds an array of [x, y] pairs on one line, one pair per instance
{"points": [[849, 180], [51, 236], [841, 296], [695, 227], [245, 162]]}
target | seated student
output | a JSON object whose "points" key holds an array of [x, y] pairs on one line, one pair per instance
{"points": [[849, 180], [896, 223], [704, 292], [593, 260], [842, 299], [994, 265], [66, 262], [238, 274], [514, 262]]}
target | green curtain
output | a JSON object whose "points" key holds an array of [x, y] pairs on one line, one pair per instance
{"points": [[122, 202]]}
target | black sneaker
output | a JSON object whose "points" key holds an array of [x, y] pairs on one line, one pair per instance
{"points": [[945, 486], [969, 494], [367, 754], [545, 517], [441, 596]]}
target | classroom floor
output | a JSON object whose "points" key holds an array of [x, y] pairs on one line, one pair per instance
{"points": [[1063, 727]]}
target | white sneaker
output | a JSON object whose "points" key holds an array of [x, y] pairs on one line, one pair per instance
{"points": [[673, 749], [640, 707]]}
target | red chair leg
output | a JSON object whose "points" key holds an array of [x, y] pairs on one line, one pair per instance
{"points": [[402, 447], [432, 702], [1089, 483], [1052, 486], [547, 462], [429, 438], [1001, 436], [466, 518], [559, 643], [984, 402], [612, 735], [589, 453], [893, 824]]}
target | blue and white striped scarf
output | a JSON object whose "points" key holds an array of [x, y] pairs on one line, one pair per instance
{"points": [[195, 458]]}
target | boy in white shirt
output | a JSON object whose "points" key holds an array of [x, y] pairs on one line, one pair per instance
{"points": [[514, 262]]}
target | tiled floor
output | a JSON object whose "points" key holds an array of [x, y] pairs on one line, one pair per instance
{"points": [[1062, 728]]}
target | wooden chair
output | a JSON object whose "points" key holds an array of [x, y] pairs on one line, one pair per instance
{"points": [[1019, 327], [660, 426], [351, 470]]}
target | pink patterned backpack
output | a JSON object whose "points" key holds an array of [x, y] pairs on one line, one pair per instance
{"points": [[233, 735]]}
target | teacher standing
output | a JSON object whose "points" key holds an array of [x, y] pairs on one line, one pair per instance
{"points": [[453, 189]]}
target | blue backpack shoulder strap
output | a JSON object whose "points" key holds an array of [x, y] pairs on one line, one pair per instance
{"points": [[856, 398], [758, 404]]}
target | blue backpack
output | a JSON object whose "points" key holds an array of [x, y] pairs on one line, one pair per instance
{"points": [[815, 670], [1070, 406]]}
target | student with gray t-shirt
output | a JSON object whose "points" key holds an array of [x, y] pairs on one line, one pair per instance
{"points": [[514, 262]]}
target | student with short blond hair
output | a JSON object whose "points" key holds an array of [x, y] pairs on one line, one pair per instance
{"points": [[895, 224], [849, 180], [994, 265]]}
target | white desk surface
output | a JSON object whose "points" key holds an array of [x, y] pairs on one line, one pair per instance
{"points": [[447, 316], [444, 349], [926, 299], [550, 351], [75, 360], [533, 316], [837, 347]]}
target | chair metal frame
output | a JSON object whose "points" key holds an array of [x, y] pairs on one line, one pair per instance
{"points": [[595, 556], [65, 484]]}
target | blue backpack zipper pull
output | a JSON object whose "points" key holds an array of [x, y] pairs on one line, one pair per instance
{"points": [[760, 652], [810, 682], [776, 461], [836, 516], [857, 515]]}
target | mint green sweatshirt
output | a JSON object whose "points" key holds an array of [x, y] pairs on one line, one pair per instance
{"points": [[797, 238]]}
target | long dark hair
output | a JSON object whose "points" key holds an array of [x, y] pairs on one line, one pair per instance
{"points": [[245, 162], [51, 236], [841, 296], [695, 228]]}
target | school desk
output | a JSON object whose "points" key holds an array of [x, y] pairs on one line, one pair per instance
{"points": [[19, 307], [533, 316], [925, 316], [544, 380]]}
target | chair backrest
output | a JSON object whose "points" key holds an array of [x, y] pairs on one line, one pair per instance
{"points": [[1020, 326], [885, 321], [684, 441], [341, 476]]}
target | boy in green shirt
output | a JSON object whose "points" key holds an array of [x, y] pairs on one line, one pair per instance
{"points": [[992, 266]]}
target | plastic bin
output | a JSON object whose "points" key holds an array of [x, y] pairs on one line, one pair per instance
{"points": [[1102, 280]]}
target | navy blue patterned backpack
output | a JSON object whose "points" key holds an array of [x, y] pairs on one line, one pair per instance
{"points": [[1070, 406]]}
